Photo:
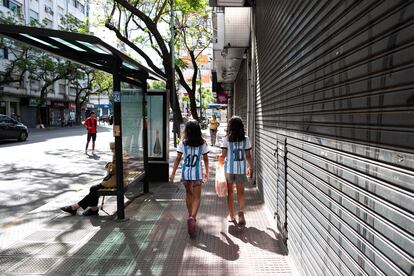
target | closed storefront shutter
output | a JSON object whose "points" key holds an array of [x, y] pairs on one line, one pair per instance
{"points": [[334, 140], [240, 95]]}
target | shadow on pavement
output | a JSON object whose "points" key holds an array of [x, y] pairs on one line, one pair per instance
{"points": [[257, 238], [210, 243]]}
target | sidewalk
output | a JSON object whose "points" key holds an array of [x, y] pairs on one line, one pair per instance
{"points": [[153, 241]]}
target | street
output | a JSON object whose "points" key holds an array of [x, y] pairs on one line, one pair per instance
{"points": [[50, 167]]}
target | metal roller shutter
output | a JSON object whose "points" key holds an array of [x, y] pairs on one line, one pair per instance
{"points": [[335, 132], [240, 95]]}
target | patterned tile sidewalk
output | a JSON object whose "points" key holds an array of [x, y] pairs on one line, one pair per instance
{"points": [[154, 241]]}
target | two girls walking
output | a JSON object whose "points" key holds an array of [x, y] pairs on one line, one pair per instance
{"points": [[236, 148]]}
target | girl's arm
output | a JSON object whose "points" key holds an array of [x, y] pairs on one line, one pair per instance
{"points": [[176, 163], [249, 163], [206, 176]]}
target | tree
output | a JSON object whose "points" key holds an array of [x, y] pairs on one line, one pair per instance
{"points": [[17, 54], [87, 82], [141, 25], [47, 70], [194, 33], [35, 64]]}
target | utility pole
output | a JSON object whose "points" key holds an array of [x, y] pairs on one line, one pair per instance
{"points": [[172, 87]]}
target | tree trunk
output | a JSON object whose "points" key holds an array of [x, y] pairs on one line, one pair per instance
{"points": [[193, 106], [176, 108], [78, 113], [43, 94]]}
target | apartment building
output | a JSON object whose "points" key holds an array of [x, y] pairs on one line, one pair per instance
{"points": [[21, 98]]}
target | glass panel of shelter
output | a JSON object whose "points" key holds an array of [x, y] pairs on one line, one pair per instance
{"points": [[156, 113], [132, 131]]}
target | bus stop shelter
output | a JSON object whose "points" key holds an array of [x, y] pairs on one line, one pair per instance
{"points": [[130, 128]]}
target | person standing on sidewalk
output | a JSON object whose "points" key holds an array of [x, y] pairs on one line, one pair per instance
{"points": [[236, 150], [91, 125], [192, 148], [213, 126]]}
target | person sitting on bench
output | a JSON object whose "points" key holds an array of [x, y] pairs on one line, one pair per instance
{"points": [[90, 202]]}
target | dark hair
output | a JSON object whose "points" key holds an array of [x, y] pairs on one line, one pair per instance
{"points": [[235, 130], [92, 112], [192, 134]]}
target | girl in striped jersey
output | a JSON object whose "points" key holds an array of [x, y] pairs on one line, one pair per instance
{"points": [[192, 148], [236, 152]]}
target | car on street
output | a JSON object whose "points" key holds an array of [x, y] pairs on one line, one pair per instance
{"points": [[12, 129]]}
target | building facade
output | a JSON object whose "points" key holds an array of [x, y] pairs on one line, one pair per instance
{"points": [[327, 87], [21, 99]]}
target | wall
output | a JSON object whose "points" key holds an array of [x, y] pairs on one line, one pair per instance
{"points": [[335, 132]]}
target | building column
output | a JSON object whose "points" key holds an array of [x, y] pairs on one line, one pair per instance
{"points": [[8, 112]]}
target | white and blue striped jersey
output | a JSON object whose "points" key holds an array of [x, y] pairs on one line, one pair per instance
{"points": [[192, 168], [235, 162]]}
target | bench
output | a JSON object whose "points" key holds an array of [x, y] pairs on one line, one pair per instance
{"points": [[113, 191]]}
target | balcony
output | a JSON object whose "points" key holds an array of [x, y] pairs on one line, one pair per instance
{"points": [[231, 3], [231, 39]]}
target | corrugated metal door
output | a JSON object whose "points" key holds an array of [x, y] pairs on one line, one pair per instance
{"points": [[335, 132], [240, 93]]}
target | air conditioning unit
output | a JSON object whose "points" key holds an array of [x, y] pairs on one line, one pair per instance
{"points": [[49, 10]]}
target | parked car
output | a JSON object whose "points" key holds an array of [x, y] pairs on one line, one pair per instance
{"points": [[12, 129]]}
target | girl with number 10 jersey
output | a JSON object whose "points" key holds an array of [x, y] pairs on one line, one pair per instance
{"points": [[193, 149], [236, 152]]}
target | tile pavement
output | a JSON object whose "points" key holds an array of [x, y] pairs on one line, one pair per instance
{"points": [[154, 241]]}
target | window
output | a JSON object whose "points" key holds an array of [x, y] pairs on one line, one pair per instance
{"points": [[49, 23], [34, 16], [34, 83], [13, 5], [62, 89], [4, 53], [77, 4], [72, 91], [81, 7]]}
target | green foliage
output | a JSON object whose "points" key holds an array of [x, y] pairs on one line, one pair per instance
{"points": [[191, 6], [156, 85], [102, 82], [181, 63], [72, 24], [185, 99], [12, 18], [207, 96]]}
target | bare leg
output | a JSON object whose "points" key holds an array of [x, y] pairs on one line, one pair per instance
{"points": [[87, 145], [230, 200], [196, 200], [93, 145], [189, 198], [240, 195]]}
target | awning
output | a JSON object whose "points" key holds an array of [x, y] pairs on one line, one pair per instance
{"points": [[84, 49]]}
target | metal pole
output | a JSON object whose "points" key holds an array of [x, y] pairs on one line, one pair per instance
{"points": [[118, 142], [201, 98], [145, 136], [172, 88]]}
